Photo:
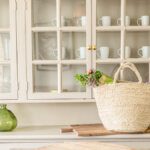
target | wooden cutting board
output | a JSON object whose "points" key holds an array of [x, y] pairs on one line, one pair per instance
{"points": [[92, 130], [84, 146]]}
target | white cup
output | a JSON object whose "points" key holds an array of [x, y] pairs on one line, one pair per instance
{"points": [[63, 53], [81, 53], [81, 21], [105, 21], [127, 21], [143, 21], [127, 52], [103, 52], [144, 52]]}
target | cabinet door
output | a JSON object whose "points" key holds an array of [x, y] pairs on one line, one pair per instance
{"points": [[58, 34], [8, 72], [106, 35]]}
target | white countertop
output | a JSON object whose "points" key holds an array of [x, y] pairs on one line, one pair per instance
{"points": [[52, 133]]}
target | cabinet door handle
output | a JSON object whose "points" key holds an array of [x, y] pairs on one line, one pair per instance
{"points": [[94, 47], [89, 47]]}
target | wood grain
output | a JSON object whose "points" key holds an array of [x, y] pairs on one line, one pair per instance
{"points": [[65, 130], [92, 130]]}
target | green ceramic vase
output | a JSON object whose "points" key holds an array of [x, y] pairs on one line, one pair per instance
{"points": [[8, 121]]}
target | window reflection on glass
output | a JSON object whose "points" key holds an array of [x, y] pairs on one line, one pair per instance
{"points": [[5, 85], [4, 47], [68, 73], [142, 68], [44, 12], [45, 78], [45, 45]]}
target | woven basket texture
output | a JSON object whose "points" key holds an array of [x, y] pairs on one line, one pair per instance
{"points": [[124, 107]]}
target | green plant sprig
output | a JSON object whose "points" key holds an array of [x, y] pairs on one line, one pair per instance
{"points": [[91, 78]]}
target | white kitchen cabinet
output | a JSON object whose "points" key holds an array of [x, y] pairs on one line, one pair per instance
{"points": [[8, 58], [39, 58], [55, 35]]}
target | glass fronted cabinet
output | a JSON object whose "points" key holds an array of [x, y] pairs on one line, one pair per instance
{"points": [[58, 37], [8, 59], [53, 40]]}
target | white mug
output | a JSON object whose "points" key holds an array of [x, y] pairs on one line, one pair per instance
{"points": [[127, 52], [103, 52], [81, 53], [143, 21], [82, 21], [105, 21], [127, 21], [144, 52], [63, 53]]}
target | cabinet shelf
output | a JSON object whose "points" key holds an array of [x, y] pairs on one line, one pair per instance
{"points": [[4, 30], [38, 62], [75, 29], [108, 28], [44, 62], [4, 62], [73, 62], [109, 61], [118, 60], [47, 101], [127, 28], [137, 28], [66, 29], [44, 29]]}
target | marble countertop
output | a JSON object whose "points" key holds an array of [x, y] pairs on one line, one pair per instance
{"points": [[52, 133]]}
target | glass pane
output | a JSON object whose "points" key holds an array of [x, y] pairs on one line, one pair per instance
{"points": [[73, 45], [128, 75], [4, 13], [68, 73], [143, 70], [139, 43], [5, 79], [108, 45], [108, 12], [44, 12], [45, 78], [4, 47], [138, 9], [73, 12], [45, 45], [108, 69]]}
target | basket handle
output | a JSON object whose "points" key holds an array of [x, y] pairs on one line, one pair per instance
{"points": [[131, 67]]}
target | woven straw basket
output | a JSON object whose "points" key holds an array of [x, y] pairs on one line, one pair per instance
{"points": [[124, 107]]}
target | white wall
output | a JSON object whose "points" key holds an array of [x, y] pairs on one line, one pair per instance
{"points": [[55, 114]]}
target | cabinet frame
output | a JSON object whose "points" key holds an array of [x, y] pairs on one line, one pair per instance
{"points": [[77, 95], [22, 58], [11, 30]]}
